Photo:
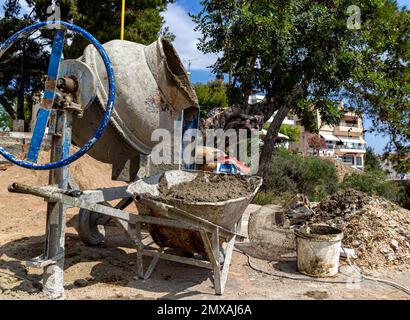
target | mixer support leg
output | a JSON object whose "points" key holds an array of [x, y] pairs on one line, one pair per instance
{"points": [[53, 276]]}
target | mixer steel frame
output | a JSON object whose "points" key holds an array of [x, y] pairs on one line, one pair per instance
{"points": [[132, 223]]}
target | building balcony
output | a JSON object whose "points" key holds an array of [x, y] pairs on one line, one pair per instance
{"points": [[340, 150], [344, 130]]}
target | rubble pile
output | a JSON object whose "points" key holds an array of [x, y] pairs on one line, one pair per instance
{"points": [[296, 211], [375, 228]]}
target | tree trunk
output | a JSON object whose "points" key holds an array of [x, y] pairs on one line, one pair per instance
{"points": [[270, 140], [8, 107], [20, 93]]}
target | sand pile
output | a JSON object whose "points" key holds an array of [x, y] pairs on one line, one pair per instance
{"points": [[88, 173], [375, 228]]}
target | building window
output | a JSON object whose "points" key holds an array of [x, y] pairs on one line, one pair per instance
{"points": [[359, 161], [348, 159]]}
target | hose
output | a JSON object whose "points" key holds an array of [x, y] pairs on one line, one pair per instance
{"points": [[362, 277], [390, 283]]}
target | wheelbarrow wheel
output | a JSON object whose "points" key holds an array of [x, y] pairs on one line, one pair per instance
{"points": [[90, 231]]}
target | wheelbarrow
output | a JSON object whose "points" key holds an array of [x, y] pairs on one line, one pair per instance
{"points": [[205, 228], [211, 227]]}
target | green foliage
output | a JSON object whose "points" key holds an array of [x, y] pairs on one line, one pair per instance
{"points": [[293, 174], [22, 67], [293, 132], [5, 120], [211, 95], [263, 198], [318, 179], [382, 80], [302, 54], [372, 161], [290, 174], [143, 24], [374, 183]]}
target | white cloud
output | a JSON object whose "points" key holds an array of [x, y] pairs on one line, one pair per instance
{"points": [[179, 23]]}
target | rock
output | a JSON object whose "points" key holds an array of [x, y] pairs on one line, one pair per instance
{"points": [[394, 244], [28, 286], [80, 283], [356, 243], [298, 209], [385, 249], [7, 291], [390, 257]]}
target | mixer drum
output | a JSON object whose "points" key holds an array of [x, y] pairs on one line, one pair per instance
{"points": [[152, 88]]}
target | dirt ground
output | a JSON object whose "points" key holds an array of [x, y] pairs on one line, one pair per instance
{"points": [[109, 271]]}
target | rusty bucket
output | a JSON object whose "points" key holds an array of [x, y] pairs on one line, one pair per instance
{"points": [[318, 250]]}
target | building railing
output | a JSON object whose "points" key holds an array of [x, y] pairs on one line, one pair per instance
{"points": [[351, 146], [349, 125]]}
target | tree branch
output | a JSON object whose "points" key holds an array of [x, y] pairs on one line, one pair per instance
{"points": [[8, 107]]}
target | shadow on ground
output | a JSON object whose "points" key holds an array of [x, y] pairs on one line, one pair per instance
{"points": [[115, 264]]}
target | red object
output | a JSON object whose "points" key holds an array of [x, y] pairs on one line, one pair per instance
{"points": [[232, 160]]}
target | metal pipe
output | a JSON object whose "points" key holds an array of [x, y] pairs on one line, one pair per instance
{"points": [[122, 19]]}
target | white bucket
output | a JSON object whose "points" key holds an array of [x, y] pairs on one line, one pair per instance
{"points": [[318, 250]]}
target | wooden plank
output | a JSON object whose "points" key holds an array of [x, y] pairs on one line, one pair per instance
{"points": [[153, 264]]}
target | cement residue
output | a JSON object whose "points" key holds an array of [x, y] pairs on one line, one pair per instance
{"points": [[208, 188]]}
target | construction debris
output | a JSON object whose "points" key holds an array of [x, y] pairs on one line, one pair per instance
{"points": [[378, 230], [298, 210]]}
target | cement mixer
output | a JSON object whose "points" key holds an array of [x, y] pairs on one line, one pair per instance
{"points": [[109, 102], [152, 89]]}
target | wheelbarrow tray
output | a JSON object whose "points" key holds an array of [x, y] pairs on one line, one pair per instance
{"points": [[225, 214]]}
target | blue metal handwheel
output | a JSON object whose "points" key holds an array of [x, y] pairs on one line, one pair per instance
{"points": [[49, 95]]}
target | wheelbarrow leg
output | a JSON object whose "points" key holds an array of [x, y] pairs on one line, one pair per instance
{"points": [[217, 264], [228, 256], [212, 249]]}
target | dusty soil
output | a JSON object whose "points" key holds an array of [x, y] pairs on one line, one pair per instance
{"points": [[109, 270], [378, 230], [208, 188]]}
